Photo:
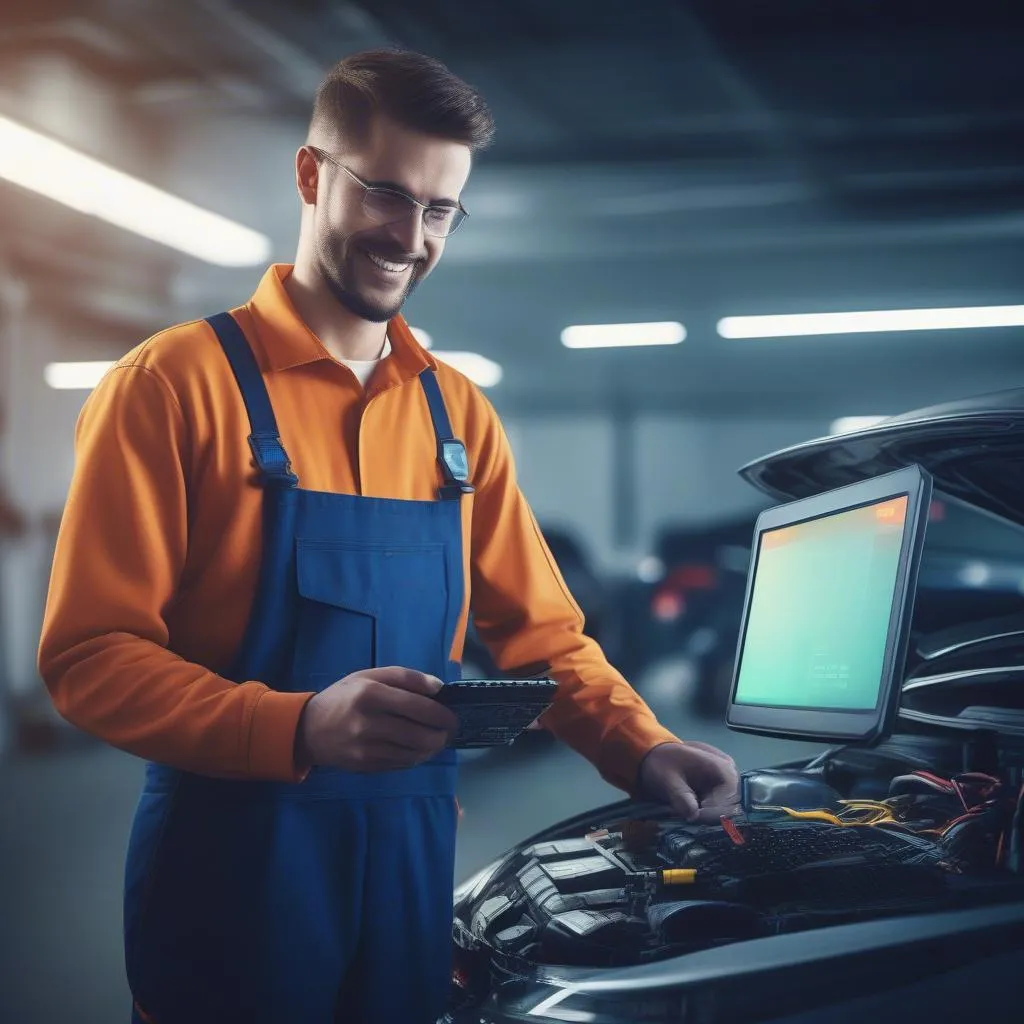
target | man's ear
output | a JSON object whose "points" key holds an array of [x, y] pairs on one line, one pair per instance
{"points": [[307, 175]]}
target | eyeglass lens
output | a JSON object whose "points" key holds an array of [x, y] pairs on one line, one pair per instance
{"points": [[388, 207]]}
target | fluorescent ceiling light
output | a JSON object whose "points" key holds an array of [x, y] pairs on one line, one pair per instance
{"points": [[75, 376], [52, 169], [798, 324], [483, 372], [623, 335], [422, 337], [848, 424]]}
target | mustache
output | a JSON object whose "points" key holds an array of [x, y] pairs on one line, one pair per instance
{"points": [[388, 252]]}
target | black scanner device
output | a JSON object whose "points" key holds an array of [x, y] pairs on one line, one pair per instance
{"points": [[493, 712]]}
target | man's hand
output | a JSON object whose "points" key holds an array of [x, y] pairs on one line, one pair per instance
{"points": [[699, 782], [374, 721]]}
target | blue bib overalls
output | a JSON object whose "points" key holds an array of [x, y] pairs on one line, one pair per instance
{"points": [[329, 900]]}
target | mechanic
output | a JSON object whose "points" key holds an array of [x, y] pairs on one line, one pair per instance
{"points": [[265, 623]]}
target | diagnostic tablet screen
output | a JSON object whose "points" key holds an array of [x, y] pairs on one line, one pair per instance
{"points": [[820, 610]]}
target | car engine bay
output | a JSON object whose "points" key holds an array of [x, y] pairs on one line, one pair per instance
{"points": [[861, 835]]}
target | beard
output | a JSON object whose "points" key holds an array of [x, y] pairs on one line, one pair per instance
{"points": [[339, 262]]}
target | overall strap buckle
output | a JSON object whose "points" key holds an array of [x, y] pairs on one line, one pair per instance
{"points": [[451, 452], [271, 459], [454, 460]]}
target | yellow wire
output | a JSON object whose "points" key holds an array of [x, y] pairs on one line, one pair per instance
{"points": [[877, 813], [821, 815]]}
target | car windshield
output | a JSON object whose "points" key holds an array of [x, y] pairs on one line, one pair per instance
{"points": [[972, 567], [955, 526]]}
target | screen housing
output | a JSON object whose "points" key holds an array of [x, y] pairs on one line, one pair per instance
{"points": [[834, 725]]}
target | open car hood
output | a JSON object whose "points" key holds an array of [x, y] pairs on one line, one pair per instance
{"points": [[974, 449]]}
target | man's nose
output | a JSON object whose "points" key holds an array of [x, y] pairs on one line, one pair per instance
{"points": [[408, 232]]}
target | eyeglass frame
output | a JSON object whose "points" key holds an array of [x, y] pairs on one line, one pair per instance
{"points": [[415, 203]]}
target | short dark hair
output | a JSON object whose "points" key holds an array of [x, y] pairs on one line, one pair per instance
{"points": [[415, 91]]}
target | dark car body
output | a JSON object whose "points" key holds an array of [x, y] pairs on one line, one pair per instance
{"points": [[552, 931]]}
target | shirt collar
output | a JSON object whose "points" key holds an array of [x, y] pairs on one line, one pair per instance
{"points": [[284, 341]]}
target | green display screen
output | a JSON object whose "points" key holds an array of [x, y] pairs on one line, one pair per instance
{"points": [[820, 607]]}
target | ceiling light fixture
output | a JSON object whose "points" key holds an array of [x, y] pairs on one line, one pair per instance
{"points": [[484, 372], [872, 321], [44, 165], [75, 376], [623, 335]]}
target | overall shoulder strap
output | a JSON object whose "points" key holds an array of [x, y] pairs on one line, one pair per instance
{"points": [[264, 441]]}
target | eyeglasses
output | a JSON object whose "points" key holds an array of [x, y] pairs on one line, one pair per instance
{"points": [[389, 206]]}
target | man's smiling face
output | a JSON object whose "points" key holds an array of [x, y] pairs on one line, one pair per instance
{"points": [[371, 266]]}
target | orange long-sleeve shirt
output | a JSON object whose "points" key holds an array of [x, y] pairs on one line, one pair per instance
{"points": [[156, 563]]}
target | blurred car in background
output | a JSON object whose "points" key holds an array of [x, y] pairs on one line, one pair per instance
{"points": [[586, 585], [693, 614], [591, 593], [626, 914]]}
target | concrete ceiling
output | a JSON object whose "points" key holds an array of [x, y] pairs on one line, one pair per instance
{"points": [[653, 161]]}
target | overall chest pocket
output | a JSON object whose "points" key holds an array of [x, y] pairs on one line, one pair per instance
{"points": [[369, 605]]}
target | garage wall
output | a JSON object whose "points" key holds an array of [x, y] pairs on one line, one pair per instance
{"points": [[683, 470], [37, 469]]}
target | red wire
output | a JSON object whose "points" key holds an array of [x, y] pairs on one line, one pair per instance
{"points": [[978, 775], [945, 783], [942, 785], [956, 821], [732, 831], [976, 778], [959, 793]]}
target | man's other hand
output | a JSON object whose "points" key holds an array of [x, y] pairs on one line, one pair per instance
{"points": [[698, 781], [377, 720]]}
